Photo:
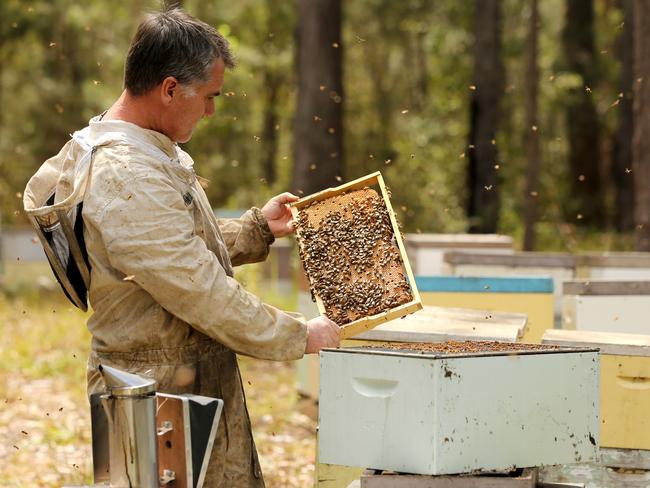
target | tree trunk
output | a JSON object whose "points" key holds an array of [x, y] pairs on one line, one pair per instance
{"points": [[269, 131], [532, 134], [641, 144], [586, 203], [622, 174], [278, 17], [419, 57], [380, 144], [318, 137], [483, 205]]}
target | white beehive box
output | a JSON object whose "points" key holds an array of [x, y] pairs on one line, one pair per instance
{"points": [[606, 306], [431, 324], [614, 266], [444, 414], [426, 251]]}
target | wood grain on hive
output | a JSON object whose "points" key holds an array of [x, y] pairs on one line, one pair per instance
{"points": [[353, 255]]}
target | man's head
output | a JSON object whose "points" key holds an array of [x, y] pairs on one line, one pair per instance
{"points": [[177, 62]]}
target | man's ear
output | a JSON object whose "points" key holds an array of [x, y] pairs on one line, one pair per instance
{"points": [[169, 88]]}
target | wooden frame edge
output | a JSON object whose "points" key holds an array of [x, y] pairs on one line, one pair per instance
{"points": [[370, 179], [361, 325], [366, 323], [398, 239]]}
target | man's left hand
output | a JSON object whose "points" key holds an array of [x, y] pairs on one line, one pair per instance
{"points": [[278, 215]]}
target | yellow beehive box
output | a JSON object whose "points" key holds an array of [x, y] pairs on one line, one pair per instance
{"points": [[624, 384], [561, 267], [352, 251], [532, 296]]}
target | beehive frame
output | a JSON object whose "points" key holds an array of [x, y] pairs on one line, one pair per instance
{"points": [[360, 325]]}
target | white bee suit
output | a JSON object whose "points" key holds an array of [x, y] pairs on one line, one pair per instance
{"points": [[161, 288]]}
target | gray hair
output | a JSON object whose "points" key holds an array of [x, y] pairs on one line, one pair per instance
{"points": [[173, 43]]}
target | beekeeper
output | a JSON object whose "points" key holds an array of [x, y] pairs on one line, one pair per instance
{"points": [[161, 286]]}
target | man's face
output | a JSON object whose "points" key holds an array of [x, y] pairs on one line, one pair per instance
{"points": [[192, 103]]}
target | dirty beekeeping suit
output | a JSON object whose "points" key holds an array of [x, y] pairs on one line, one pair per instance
{"points": [[165, 302]]}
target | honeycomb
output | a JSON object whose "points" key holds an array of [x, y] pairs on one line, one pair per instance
{"points": [[464, 347], [348, 250]]}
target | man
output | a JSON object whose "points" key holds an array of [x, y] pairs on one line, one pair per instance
{"points": [[165, 302]]}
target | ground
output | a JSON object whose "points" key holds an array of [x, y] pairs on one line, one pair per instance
{"points": [[44, 418]]}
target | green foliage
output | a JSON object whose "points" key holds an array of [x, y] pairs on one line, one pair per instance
{"points": [[61, 64], [228, 148], [407, 73]]}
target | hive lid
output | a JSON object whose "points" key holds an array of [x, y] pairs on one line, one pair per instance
{"points": [[445, 241], [611, 343], [605, 287], [614, 260], [457, 349], [520, 259], [485, 284], [438, 324]]}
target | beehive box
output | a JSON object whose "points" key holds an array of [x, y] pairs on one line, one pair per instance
{"points": [[426, 251], [625, 384], [606, 306], [524, 478], [614, 266], [353, 255], [561, 267], [475, 407], [531, 295], [431, 324]]}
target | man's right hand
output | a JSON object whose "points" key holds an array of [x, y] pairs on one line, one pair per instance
{"points": [[321, 333]]}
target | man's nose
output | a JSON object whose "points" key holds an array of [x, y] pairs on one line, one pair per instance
{"points": [[209, 109]]}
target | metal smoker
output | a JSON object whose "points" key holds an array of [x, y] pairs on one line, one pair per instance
{"points": [[144, 439], [130, 409]]}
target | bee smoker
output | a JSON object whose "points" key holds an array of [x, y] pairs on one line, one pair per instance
{"points": [[130, 411], [146, 439]]}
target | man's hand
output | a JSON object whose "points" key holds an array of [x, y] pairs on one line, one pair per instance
{"points": [[278, 215], [321, 333]]}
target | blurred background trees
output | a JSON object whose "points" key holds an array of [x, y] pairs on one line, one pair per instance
{"points": [[318, 121], [485, 102], [525, 118], [641, 140]]}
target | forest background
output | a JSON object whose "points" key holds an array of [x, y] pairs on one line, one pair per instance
{"points": [[505, 116], [523, 117]]}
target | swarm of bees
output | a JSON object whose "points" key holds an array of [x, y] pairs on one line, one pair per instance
{"points": [[349, 254]]}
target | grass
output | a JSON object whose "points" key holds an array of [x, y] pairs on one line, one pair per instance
{"points": [[44, 417]]}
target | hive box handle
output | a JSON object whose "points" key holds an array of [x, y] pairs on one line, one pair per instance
{"points": [[374, 387], [633, 382]]}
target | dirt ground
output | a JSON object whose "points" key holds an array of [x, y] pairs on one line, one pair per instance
{"points": [[44, 418], [46, 442]]}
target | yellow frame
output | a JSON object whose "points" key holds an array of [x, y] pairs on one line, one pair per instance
{"points": [[357, 326]]}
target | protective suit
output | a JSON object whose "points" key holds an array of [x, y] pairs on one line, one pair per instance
{"points": [[165, 303]]}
